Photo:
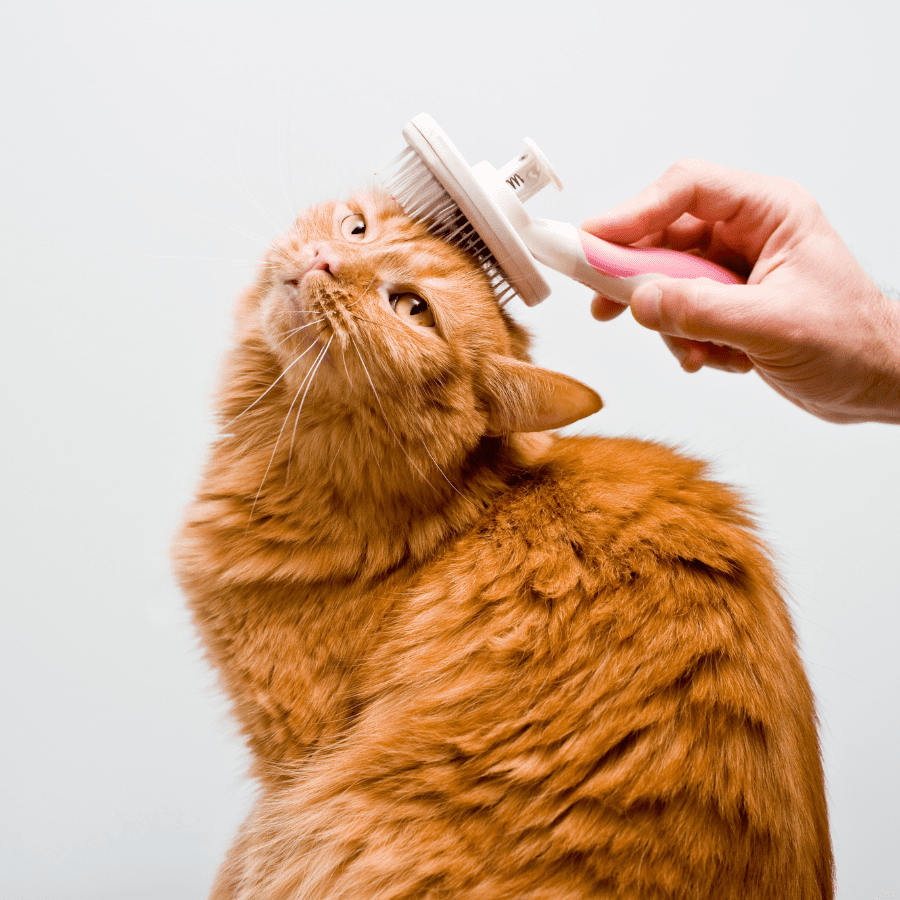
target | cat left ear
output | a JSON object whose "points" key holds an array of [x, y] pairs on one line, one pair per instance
{"points": [[523, 397]]}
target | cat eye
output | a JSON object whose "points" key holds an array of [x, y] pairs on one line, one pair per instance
{"points": [[414, 308], [353, 227]]}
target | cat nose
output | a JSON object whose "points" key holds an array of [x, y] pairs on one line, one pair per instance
{"points": [[325, 258]]}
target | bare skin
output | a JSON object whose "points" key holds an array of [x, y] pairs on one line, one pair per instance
{"points": [[809, 320]]}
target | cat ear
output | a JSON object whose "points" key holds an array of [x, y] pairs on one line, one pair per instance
{"points": [[523, 397]]}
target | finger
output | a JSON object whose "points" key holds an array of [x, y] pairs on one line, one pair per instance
{"points": [[687, 232], [703, 310], [694, 355], [603, 309], [706, 191]]}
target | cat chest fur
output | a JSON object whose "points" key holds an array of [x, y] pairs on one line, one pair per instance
{"points": [[602, 652]]}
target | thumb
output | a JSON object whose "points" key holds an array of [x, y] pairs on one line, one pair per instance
{"points": [[700, 309]]}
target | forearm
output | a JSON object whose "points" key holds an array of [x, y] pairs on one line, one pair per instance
{"points": [[883, 399]]}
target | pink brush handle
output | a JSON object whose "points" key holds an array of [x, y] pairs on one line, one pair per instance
{"points": [[611, 269], [619, 270], [634, 264]]}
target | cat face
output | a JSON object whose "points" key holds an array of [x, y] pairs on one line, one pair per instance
{"points": [[386, 299], [357, 301]]}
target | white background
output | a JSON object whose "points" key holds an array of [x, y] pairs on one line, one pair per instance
{"points": [[149, 153]]}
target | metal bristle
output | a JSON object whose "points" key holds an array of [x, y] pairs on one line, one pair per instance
{"points": [[422, 197]]}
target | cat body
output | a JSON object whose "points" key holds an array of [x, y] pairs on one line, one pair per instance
{"points": [[473, 658]]}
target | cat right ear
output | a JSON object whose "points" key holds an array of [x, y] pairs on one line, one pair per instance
{"points": [[521, 397]]}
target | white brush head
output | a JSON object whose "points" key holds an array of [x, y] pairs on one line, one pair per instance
{"points": [[434, 184]]}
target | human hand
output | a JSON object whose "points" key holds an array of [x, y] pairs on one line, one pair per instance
{"points": [[809, 320]]}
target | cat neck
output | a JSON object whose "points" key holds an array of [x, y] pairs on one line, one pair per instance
{"points": [[337, 484]]}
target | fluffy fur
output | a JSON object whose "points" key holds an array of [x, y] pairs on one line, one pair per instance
{"points": [[472, 658]]}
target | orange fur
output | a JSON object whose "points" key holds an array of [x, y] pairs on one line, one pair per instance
{"points": [[472, 660]]}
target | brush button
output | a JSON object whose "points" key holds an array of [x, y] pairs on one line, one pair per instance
{"points": [[529, 172]]}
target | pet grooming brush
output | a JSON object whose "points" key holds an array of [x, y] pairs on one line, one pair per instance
{"points": [[481, 210]]}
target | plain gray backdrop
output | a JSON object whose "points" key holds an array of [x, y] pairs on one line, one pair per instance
{"points": [[149, 153]]}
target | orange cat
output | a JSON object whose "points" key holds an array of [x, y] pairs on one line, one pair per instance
{"points": [[474, 659]]}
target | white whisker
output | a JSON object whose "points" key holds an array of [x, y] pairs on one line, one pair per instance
{"points": [[312, 375], [387, 421], [295, 331], [245, 191], [287, 197], [184, 211], [306, 378], [269, 388], [290, 118], [443, 473], [347, 371], [121, 252]]}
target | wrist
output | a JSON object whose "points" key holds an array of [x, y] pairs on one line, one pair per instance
{"points": [[882, 398]]}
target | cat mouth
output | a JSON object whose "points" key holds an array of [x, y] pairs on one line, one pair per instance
{"points": [[316, 302], [324, 316], [301, 293]]}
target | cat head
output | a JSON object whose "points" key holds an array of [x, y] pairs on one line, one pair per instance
{"points": [[364, 310]]}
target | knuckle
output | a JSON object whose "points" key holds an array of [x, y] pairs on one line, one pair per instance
{"points": [[679, 308], [688, 166], [800, 197], [686, 172]]}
